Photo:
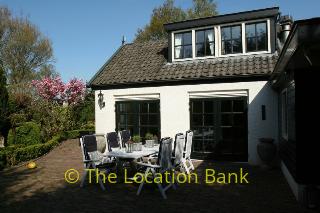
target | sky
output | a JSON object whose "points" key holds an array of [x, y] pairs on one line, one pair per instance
{"points": [[84, 34]]}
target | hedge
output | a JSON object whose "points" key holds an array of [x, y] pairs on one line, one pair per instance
{"points": [[13, 155], [28, 133]]}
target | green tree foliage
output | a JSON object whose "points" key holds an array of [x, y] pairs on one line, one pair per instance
{"points": [[28, 133], [202, 8], [23, 49], [83, 112], [25, 54], [52, 117], [4, 15], [3, 100], [168, 13]]}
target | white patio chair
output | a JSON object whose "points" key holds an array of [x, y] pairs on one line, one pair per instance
{"points": [[124, 137], [178, 149], [187, 153], [113, 141], [92, 147], [163, 164]]}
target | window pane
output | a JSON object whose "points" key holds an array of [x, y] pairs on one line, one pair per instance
{"points": [[153, 119], [210, 50], [226, 47], [122, 120], [250, 30], [226, 106], [251, 44], [200, 49], [199, 36], [226, 119], [238, 106], [187, 51], [261, 29], [238, 119], [153, 107], [237, 46], [187, 38], [177, 52], [131, 119], [122, 107], [209, 35], [197, 107], [144, 107], [208, 120], [236, 32], [225, 33], [197, 120], [262, 43], [177, 39], [208, 107]]}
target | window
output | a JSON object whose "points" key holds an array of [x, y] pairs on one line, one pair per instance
{"points": [[183, 45], [204, 43], [284, 114], [256, 37], [231, 41], [140, 117]]}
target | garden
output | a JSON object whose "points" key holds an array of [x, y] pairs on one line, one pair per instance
{"points": [[38, 110]]}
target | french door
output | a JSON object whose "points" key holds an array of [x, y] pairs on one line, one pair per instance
{"points": [[220, 128]]}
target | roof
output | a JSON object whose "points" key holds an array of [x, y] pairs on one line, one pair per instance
{"points": [[146, 62], [300, 48], [225, 18]]}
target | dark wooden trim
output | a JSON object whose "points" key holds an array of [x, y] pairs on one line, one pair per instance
{"points": [[222, 19]]}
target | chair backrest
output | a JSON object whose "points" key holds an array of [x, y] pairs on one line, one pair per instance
{"points": [[165, 153], [124, 137], [101, 143], [178, 148], [112, 140], [88, 144], [188, 144]]}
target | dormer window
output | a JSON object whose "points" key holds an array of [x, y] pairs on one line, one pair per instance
{"points": [[204, 43], [256, 37], [231, 42], [222, 40], [183, 45]]}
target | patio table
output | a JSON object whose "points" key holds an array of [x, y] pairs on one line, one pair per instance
{"points": [[122, 156], [121, 153]]}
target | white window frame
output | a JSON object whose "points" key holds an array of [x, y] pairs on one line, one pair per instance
{"points": [[217, 40], [284, 116]]}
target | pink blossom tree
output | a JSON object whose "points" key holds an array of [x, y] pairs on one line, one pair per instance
{"points": [[49, 88], [74, 91], [54, 89]]}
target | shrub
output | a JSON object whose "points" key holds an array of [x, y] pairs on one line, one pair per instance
{"points": [[136, 138], [52, 117], [12, 155], [28, 133], [17, 119], [148, 136]]}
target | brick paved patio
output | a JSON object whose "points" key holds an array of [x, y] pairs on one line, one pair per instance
{"points": [[44, 190]]}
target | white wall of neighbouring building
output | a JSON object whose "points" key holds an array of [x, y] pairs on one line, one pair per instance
{"points": [[174, 108]]}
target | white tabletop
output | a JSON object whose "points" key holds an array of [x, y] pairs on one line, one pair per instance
{"points": [[121, 153]]}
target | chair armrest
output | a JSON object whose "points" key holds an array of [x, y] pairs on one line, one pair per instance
{"points": [[88, 161], [149, 165]]}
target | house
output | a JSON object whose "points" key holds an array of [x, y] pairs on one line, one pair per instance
{"points": [[211, 76], [295, 78], [229, 78]]}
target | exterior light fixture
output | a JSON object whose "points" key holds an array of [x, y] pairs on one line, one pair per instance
{"points": [[100, 100]]}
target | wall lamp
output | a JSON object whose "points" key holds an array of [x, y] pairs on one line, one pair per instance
{"points": [[100, 100]]}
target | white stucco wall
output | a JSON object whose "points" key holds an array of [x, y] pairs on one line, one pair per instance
{"points": [[174, 109]]}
